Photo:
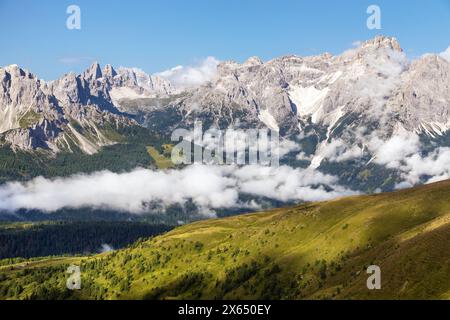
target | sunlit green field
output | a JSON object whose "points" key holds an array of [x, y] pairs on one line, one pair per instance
{"points": [[160, 160], [312, 251]]}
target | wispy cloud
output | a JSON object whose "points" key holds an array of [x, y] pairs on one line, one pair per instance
{"points": [[357, 43], [106, 248], [74, 60]]}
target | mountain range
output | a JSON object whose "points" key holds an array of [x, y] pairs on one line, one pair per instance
{"points": [[344, 113]]}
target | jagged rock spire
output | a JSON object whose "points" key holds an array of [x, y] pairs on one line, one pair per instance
{"points": [[93, 72], [108, 71], [382, 41]]}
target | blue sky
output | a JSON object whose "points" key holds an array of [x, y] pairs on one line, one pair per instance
{"points": [[159, 34]]}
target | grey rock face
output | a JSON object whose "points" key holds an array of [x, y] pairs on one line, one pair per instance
{"points": [[374, 81], [35, 114], [28, 110], [93, 73], [423, 98], [147, 85], [42, 135], [338, 108]]}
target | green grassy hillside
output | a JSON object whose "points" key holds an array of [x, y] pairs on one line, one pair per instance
{"points": [[312, 251]]}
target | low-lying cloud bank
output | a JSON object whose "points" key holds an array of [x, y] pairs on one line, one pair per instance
{"points": [[209, 187], [401, 152]]}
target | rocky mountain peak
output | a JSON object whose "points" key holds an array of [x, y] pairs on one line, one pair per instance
{"points": [[369, 83], [225, 67], [93, 72], [432, 59], [142, 83], [15, 71], [108, 71], [253, 61], [383, 42]]}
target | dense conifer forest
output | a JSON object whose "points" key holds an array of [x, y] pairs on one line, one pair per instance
{"points": [[28, 240]]}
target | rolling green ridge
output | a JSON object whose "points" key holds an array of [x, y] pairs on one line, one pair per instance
{"points": [[311, 251]]}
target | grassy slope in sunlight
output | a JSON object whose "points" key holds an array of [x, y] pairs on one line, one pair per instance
{"points": [[312, 251]]}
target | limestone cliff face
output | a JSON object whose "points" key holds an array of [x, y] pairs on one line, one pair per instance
{"points": [[353, 102], [373, 87], [374, 81], [60, 115]]}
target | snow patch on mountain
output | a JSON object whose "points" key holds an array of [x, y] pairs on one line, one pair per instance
{"points": [[121, 93], [268, 120], [309, 101]]}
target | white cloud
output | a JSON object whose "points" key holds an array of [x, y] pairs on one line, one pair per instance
{"points": [[381, 75], [357, 43], [302, 156], [209, 187], [372, 76], [394, 150], [446, 54], [402, 152], [190, 76], [74, 60], [435, 165], [337, 150], [106, 248], [287, 146], [286, 184]]}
